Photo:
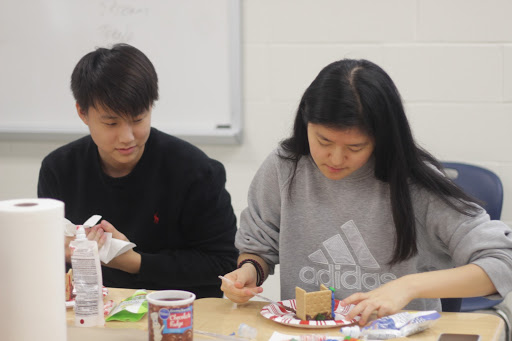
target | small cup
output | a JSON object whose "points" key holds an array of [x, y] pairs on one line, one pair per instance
{"points": [[170, 315]]}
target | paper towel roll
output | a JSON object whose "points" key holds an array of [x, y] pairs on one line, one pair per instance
{"points": [[32, 289]]}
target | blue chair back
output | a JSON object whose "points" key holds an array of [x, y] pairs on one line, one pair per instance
{"points": [[486, 186], [480, 183]]}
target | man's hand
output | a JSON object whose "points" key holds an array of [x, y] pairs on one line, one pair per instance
{"points": [[95, 233], [108, 227]]}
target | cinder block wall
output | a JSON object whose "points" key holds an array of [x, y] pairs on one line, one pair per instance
{"points": [[451, 60]]}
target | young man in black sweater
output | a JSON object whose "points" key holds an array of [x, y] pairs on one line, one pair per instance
{"points": [[153, 189]]}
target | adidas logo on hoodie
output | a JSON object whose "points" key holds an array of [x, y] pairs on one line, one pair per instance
{"points": [[353, 267]]}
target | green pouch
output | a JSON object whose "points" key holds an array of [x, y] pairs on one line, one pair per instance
{"points": [[130, 309]]}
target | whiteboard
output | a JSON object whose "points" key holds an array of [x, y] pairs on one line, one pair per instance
{"points": [[193, 44]]}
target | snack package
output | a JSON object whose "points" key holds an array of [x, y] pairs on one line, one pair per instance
{"points": [[130, 309], [397, 325]]}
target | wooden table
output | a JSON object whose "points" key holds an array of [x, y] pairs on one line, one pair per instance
{"points": [[221, 316]]}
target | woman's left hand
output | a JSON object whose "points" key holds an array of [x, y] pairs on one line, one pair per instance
{"points": [[388, 299]]}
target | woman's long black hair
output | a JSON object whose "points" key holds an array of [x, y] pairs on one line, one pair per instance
{"points": [[357, 93]]}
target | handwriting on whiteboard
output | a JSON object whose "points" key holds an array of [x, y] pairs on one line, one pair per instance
{"points": [[121, 31]]}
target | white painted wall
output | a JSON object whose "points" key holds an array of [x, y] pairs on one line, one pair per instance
{"points": [[451, 60]]}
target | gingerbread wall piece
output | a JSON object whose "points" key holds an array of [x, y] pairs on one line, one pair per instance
{"points": [[315, 305]]}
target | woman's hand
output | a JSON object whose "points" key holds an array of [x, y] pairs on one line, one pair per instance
{"points": [[388, 299], [468, 280], [244, 286]]}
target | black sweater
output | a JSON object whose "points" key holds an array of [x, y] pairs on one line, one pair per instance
{"points": [[173, 206]]}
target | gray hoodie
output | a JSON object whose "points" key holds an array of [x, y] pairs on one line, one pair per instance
{"points": [[341, 232]]}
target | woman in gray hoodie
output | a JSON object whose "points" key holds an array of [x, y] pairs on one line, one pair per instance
{"points": [[352, 202]]}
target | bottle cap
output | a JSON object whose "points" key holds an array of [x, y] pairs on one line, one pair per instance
{"points": [[80, 232]]}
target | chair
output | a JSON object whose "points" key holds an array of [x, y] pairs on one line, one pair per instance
{"points": [[485, 186], [480, 183]]}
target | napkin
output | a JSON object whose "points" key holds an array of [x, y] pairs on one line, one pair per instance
{"points": [[112, 248]]}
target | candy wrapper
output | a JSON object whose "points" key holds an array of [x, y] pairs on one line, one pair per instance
{"points": [[130, 309], [107, 307], [392, 326]]}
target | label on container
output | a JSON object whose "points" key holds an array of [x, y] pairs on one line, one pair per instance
{"points": [[176, 321], [170, 323]]}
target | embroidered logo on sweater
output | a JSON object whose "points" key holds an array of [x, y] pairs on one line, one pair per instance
{"points": [[156, 218], [354, 265]]}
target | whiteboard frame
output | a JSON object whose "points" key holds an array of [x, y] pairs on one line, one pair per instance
{"points": [[230, 134]]}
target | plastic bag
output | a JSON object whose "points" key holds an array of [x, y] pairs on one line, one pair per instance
{"points": [[130, 309]]}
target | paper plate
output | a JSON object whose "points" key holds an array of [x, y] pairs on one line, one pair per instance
{"points": [[280, 315], [71, 302]]}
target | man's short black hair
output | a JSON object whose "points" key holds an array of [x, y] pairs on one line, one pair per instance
{"points": [[121, 79]]}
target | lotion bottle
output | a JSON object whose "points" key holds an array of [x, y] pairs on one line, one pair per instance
{"points": [[88, 283]]}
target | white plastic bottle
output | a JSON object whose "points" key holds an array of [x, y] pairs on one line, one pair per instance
{"points": [[87, 279]]}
